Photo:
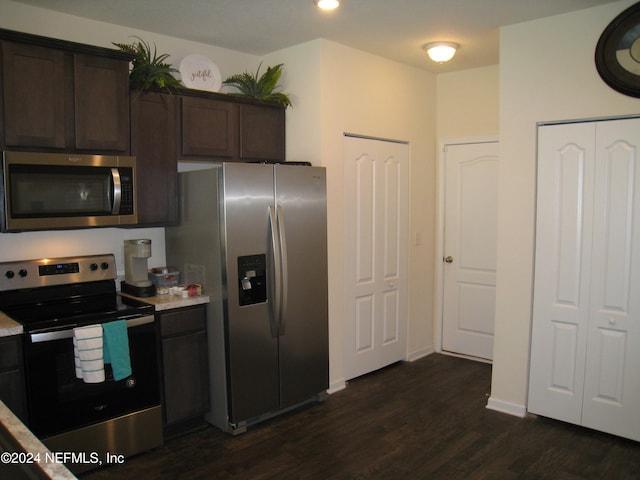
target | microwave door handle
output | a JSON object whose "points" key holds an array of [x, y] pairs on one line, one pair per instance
{"points": [[117, 191]]}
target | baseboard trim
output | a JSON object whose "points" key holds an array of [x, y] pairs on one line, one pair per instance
{"points": [[337, 386], [506, 407], [413, 356]]}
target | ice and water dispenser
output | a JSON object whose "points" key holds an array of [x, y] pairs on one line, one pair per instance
{"points": [[252, 276]]}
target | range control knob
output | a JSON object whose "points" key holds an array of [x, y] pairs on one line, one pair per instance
{"points": [[9, 274], [104, 266], [22, 272], [93, 267]]}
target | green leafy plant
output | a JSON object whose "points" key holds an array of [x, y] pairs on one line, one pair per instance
{"points": [[264, 88], [149, 69]]}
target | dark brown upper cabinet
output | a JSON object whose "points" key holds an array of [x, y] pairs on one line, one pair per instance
{"points": [[198, 126], [262, 132], [154, 127], [209, 128], [63, 96], [33, 93], [219, 127], [101, 99]]}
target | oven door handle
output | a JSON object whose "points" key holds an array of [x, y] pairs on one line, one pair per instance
{"points": [[68, 333]]}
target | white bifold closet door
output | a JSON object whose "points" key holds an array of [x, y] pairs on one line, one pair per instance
{"points": [[585, 342]]}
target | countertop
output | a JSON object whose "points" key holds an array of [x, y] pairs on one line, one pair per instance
{"points": [[9, 327], [36, 460], [169, 302]]}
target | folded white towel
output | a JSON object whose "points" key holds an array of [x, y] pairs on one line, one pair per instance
{"points": [[93, 377], [88, 332], [88, 354], [76, 358]]}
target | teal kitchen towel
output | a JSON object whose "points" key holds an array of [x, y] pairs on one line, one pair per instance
{"points": [[116, 348]]}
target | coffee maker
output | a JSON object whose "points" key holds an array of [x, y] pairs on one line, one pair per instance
{"points": [[136, 277]]}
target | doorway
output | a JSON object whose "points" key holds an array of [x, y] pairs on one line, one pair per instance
{"points": [[376, 253], [469, 248]]}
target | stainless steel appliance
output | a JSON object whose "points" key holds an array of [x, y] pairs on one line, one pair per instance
{"points": [[259, 234], [44, 191], [51, 297]]}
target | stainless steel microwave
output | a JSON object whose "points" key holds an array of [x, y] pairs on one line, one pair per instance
{"points": [[45, 191]]}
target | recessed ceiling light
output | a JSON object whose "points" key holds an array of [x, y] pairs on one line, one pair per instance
{"points": [[441, 51], [327, 4]]}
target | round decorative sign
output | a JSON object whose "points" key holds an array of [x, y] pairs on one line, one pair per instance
{"points": [[199, 72], [618, 52]]}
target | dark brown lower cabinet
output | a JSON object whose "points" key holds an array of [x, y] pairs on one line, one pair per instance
{"points": [[12, 386], [185, 372]]}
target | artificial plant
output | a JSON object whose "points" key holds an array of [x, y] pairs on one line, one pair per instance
{"points": [[149, 69], [264, 88]]}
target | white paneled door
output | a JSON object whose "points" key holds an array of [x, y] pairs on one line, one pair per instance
{"points": [[585, 345], [469, 260], [376, 253]]}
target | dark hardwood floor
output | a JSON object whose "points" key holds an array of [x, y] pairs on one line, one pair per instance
{"points": [[421, 420]]}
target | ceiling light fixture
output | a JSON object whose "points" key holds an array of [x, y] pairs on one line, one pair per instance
{"points": [[327, 4], [441, 51]]}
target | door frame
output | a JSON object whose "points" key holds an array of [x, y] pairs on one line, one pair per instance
{"points": [[439, 251]]}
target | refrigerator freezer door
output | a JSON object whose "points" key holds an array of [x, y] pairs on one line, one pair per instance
{"points": [[251, 349], [303, 343]]}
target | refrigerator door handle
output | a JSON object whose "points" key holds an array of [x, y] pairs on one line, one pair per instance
{"points": [[277, 279], [284, 283]]}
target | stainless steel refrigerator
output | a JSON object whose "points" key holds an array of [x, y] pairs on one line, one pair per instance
{"points": [[256, 235]]}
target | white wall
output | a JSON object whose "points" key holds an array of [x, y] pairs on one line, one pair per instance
{"points": [[468, 103], [337, 89], [547, 73]]}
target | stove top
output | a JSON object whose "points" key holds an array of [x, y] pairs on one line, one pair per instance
{"points": [[65, 292]]}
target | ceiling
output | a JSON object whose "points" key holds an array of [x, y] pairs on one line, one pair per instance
{"points": [[394, 29]]}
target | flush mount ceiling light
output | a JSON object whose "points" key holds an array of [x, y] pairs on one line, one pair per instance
{"points": [[327, 4], [441, 51]]}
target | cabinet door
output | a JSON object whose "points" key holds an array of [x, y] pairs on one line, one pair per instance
{"points": [[262, 133], [185, 377], [12, 384], [33, 95], [185, 364], [209, 128], [612, 383], [561, 284], [154, 144], [101, 89]]}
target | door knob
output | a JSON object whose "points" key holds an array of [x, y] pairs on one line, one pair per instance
{"points": [[449, 259]]}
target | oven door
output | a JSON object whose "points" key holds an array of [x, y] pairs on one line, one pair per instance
{"points": [[59, 402]]}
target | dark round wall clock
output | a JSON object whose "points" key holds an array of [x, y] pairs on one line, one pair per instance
{"points": [[618, 52]]}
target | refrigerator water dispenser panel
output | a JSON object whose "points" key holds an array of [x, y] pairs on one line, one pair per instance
{"points": [[252, 271]]}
